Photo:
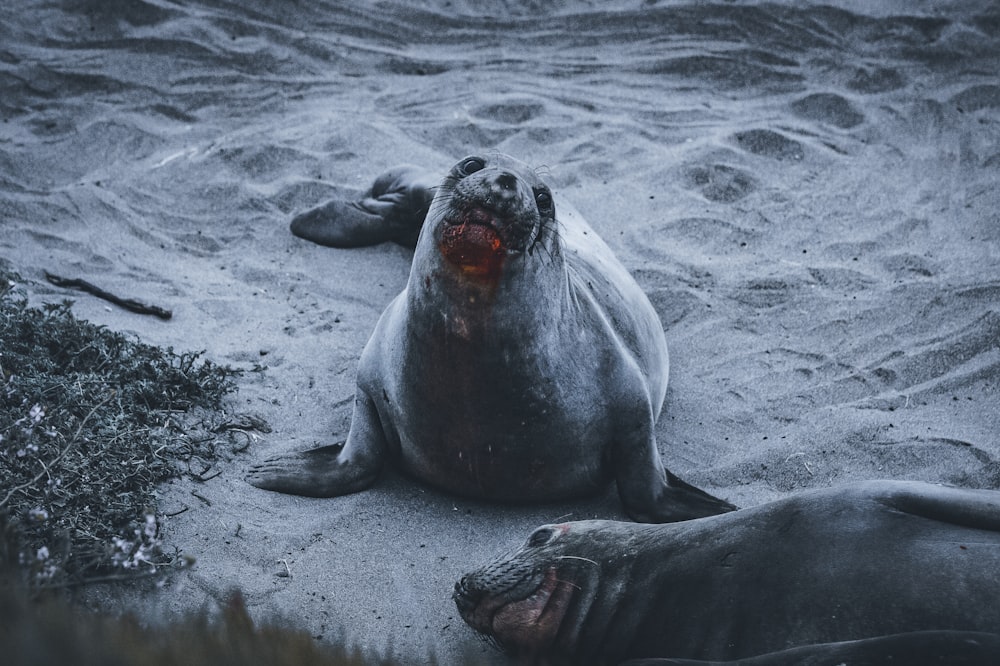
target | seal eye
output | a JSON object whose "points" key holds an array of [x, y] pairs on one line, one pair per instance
{"points": [[469, 166], [544, 201], [540, 537]]}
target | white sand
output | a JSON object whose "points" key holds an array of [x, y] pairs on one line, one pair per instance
{"points": [[809, 196]]}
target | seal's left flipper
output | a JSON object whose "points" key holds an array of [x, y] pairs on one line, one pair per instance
{"points": [[692, 500], [392, 210], [947, 648], [652, 493]]}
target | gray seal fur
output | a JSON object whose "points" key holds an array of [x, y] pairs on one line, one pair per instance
{"points": [[521, 362], [840, 564]]}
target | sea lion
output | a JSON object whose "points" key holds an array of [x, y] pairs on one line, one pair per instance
{"points": [[521, 362], [839, 564]]}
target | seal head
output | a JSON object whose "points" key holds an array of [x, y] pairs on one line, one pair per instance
{"points": [[520, 603], [487, 211]]}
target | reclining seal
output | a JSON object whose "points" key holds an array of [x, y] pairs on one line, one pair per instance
{"points": [[852, 563]]}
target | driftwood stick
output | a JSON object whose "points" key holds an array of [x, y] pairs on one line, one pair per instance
{"points": [[129, 304]]}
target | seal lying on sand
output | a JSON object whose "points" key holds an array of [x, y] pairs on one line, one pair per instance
{"points": [[919, 648], [522, 362], [869, 559]]}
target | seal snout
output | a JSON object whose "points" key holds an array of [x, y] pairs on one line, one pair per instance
{"points": [[465, 596], [489, 211], [502, 188], [472, 599], [503, 193]]}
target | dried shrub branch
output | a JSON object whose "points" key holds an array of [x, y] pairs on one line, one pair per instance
{"points": [[91, 420]]}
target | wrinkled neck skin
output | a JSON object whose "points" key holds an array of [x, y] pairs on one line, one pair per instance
{"points": [[602, 562]]}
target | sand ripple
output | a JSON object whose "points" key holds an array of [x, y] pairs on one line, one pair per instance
{"points": [[809, 194]]}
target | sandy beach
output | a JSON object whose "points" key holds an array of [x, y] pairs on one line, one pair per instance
{"points": [[809, 194]]}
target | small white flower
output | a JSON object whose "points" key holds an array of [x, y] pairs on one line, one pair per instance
{"points": [[37, 413], [38, 514], [29, 448], [42, 554], [149, 530], [48, 572]]}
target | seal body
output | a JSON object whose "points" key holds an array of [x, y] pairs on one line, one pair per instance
{"points": [[843, 564], [923, 648], [521, 362]]}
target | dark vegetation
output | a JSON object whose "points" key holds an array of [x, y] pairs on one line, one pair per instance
{"points": [[52, 631], [91, 420]]}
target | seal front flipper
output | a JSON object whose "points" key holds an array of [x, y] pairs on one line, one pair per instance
{"points": [[650, 492], [328, 471], [681, 497], [392, 210], [672, 499], [340, 223]]}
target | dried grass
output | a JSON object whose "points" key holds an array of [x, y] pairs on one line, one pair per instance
{"points": [[91, 420]]}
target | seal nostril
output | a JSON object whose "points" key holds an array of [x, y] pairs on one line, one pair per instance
{"points": [[465, 597], [506, 181]]}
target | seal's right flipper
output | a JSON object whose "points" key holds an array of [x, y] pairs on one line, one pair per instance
{"points": [[317, 472], [691, 500], [328, 471], [650, 492]]}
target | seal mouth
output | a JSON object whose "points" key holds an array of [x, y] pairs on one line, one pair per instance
{"points": [[526, 625], [480, 225], [473, 241]]}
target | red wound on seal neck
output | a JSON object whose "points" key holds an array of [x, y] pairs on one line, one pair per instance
{"points": [[474, 246]]}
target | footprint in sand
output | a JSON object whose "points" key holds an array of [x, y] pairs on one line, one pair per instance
{"points": [[905, 265], [961, 357], [763, 293], [828, 108], [769, 144], [977, 98], [510, 112], [876, 80], [720, 183], [198, 244]]}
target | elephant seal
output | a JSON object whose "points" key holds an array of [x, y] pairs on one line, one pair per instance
{"points": [[521, 362], [923, 648], [842, 564]]}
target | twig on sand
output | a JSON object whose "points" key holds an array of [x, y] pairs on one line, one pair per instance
{"points": [[202, 498], [129, 304]]}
